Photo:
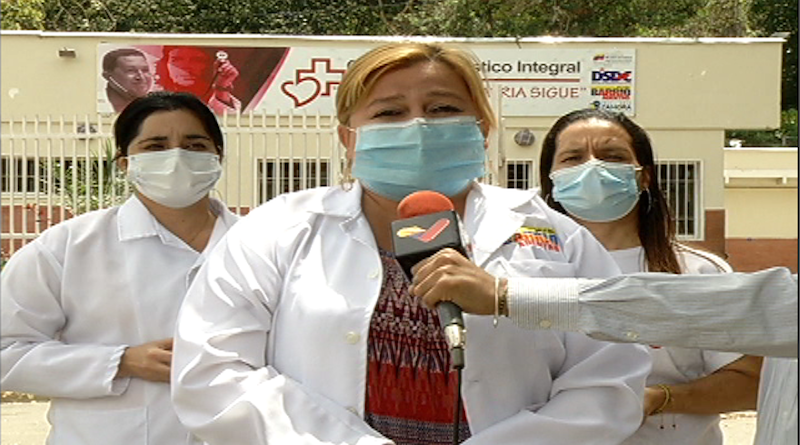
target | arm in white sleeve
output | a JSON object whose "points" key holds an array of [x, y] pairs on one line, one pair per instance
{"points": [[223, 388], [33, 358], [594, 376], [750, 313]]}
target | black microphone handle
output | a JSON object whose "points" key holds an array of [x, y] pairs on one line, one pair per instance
{"points": [[453, 328], [449, 313]]}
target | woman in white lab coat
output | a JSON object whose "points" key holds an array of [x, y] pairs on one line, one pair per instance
{"points": [[300, 328], [599, 168], [89, 307]]}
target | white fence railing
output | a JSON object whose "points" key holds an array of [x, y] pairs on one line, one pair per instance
{"points": [[55, 168]]}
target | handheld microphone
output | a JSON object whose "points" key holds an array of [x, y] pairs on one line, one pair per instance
{"points": [[429, 224]]}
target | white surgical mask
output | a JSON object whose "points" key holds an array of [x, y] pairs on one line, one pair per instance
{"points": [[174, 178]]}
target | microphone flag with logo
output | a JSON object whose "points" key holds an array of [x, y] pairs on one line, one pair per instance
{"points": [[429, 224]]}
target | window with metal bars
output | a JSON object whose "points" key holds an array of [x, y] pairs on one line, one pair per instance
{"points": [[680, 182], [519, 175], [20, 175], [275, 177]]}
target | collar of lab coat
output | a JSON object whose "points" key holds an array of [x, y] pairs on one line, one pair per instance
{"points": [[347, 203], [492, 214], [136, 222]]}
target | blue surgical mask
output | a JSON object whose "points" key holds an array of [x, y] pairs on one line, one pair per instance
{"points": [[397, 159], [597, 191]]}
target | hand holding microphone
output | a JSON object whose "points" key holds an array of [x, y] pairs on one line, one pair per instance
{"points": [[430, 240], [448, 276], [430, 232]]}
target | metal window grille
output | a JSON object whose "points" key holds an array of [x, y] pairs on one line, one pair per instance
{"points": [[20, 175], [57, 167], [286, 176], [519, 175], [680, 182]]}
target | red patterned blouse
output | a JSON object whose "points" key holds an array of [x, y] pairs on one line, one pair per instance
{"points": [[410, 386]]}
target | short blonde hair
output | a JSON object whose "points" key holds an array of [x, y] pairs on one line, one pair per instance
{"points": [[364, 72]]}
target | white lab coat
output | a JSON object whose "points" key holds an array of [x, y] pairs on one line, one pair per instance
{"points": [[72, 301], [271, 343]]}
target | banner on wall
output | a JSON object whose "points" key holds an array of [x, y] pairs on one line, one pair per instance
{"points": [[551, 82], [531, 82]]}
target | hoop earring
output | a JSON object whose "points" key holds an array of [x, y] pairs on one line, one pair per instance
{"points": [[347, 179]]}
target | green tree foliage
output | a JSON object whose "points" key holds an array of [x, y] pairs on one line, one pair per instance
{"points": [[785, 136], [22, 14], [718, 18], [503, 18], [467, 18], [312, 17], [598, 18]]}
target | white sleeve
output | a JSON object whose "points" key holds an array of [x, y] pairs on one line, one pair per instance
{"points": [[33, 359], [223, 389], [695, 261], [749, 313], [535, 303], [594, 376]]}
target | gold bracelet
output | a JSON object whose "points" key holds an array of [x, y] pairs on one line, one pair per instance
{"points": [[667, 398]]}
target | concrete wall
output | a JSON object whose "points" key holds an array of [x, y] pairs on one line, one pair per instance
{"points": [[761, 204], [687, 91]]}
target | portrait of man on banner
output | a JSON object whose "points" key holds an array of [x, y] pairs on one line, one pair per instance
{"points": [[128, 76], [227, 79]]}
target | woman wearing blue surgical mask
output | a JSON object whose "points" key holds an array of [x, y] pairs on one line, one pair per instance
{"points": [[89, 307], [598, 167], [302, 327]]}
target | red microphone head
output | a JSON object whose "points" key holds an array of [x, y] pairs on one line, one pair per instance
{"points": [[423, 202]]}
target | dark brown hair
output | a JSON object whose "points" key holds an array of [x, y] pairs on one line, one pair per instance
{"points": [[110, 58], [129, 122], [656, 224]]}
